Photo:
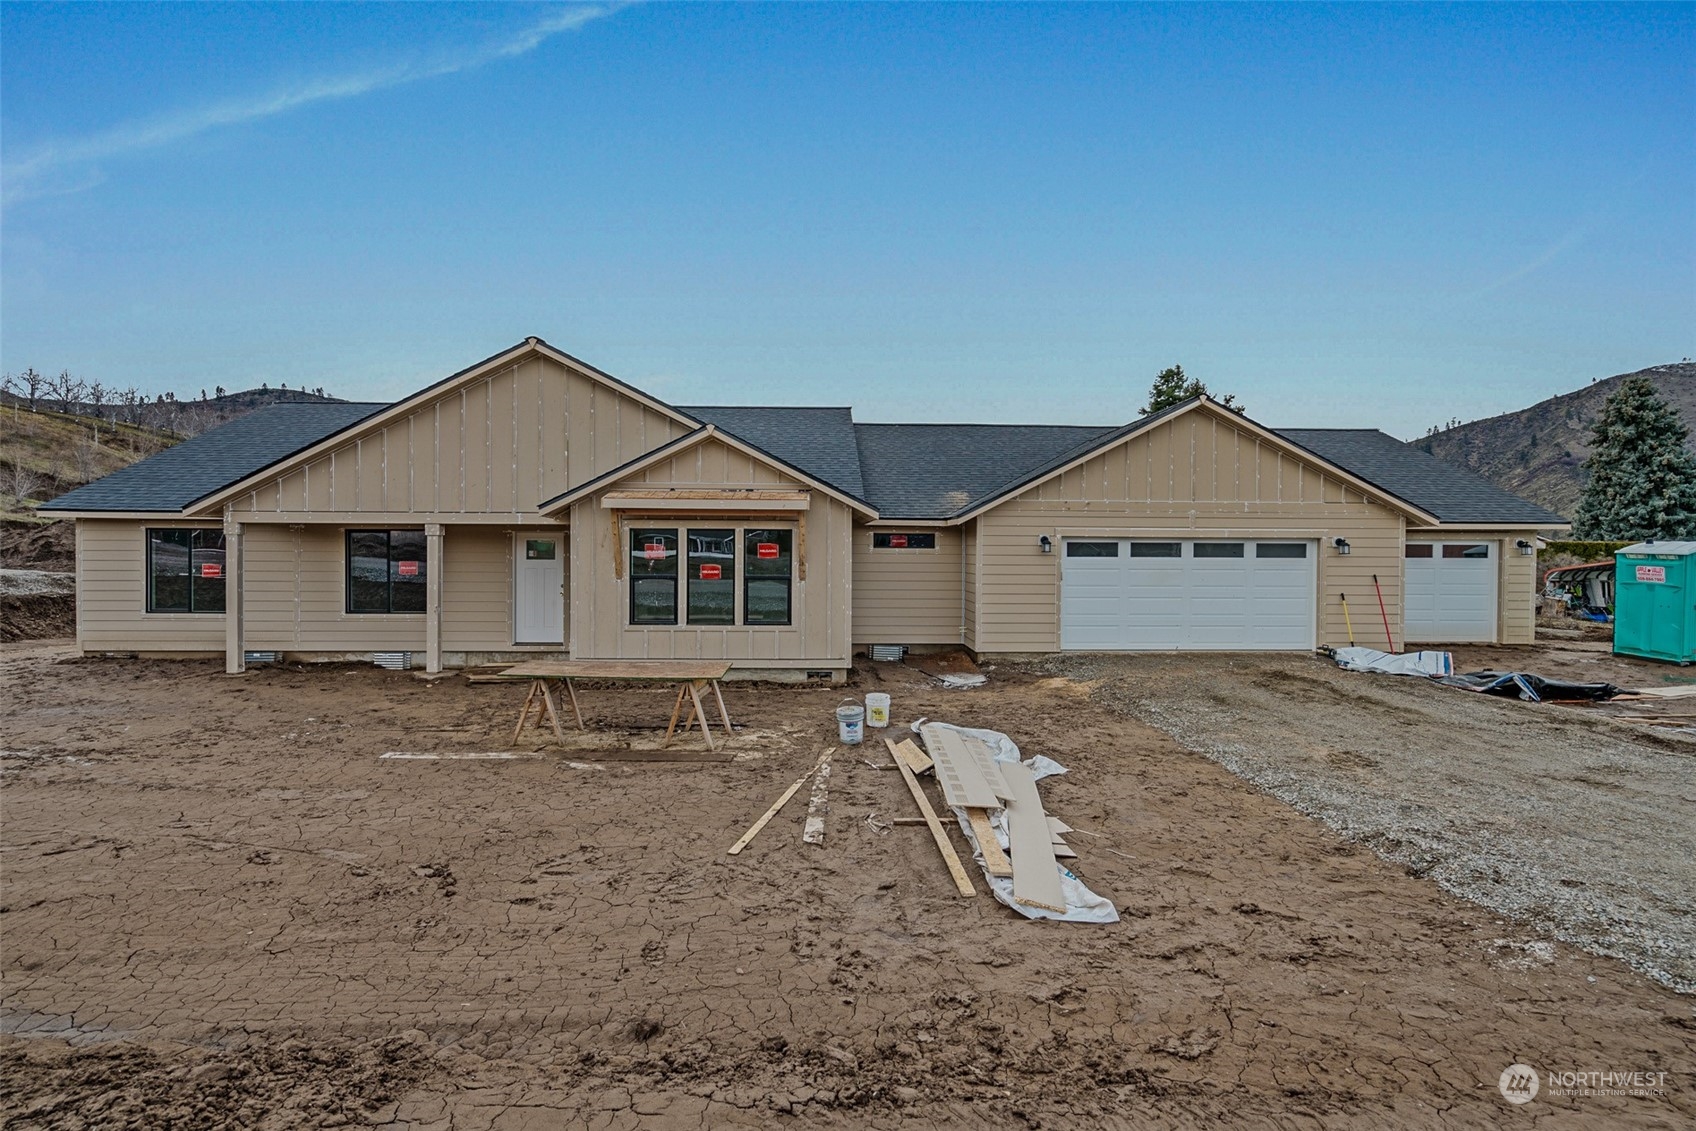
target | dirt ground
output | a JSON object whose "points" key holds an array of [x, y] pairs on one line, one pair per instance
{"points": [[222, 907]]}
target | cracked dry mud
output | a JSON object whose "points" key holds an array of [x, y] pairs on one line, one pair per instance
{"points": [[221, 909]]}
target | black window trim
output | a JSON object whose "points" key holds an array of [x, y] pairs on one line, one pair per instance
{"points": [[935, 543], [147, 533], [388, 533], [678, 534], [679, 529]]}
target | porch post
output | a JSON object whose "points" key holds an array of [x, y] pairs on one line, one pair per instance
{"points": [[235, 658], [432, 597]]}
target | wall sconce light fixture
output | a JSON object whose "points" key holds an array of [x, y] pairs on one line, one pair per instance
{"points": [[1526, 549], [1046, 543], [1342, 545]]}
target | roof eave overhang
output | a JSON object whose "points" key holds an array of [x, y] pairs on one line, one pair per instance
{"points": [[1237, 419], [494, 364], [1528, 524]]}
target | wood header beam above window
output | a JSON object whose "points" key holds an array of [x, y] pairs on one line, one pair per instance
{"points": [[706, 501]]}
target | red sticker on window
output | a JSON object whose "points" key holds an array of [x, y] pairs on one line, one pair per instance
{"points": [[653, 550], [765, 549], [712, 573], [211, 569], [407, 569], [898, 541]]}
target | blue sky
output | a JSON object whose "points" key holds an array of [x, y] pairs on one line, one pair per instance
{"points": [[1348, 216]]}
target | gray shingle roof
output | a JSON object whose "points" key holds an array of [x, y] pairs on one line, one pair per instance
{"points": [[932, 471], [1451, 493], [819, 441], [193, 469]]}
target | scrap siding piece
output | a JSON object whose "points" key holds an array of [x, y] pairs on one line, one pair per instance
{"points": [[1036, 875], [818, 805], [963, 784]]}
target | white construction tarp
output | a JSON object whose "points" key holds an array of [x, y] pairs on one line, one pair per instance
{"points": [[1082, 905], [1389, 663]]}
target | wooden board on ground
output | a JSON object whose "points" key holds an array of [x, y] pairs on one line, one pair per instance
{"points": [[765, 817], [962, 882], [995, 860], [908, 751], [590, 754], [1036, 876], [957, 770]]}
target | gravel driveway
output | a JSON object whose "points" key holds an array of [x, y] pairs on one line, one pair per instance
{"points": [[1580, 827]]}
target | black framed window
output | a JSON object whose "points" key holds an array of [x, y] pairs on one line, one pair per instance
{"points": [[1157, 549], [1280, 550], [386, 571], [185, 571], [768, 570], [1092, 549], [1218, 549], [653, 576], [712, 576], [889, 540]]}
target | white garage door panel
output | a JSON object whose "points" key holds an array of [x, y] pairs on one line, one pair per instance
{"points": [[1451, 598], [1209, 603]]}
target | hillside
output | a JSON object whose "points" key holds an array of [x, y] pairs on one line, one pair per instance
{"points": [[55, 447], [1537, 452]]}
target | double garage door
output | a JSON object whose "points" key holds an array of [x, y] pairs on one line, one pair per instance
{"points": [[1138, 594], [1451, 591]]}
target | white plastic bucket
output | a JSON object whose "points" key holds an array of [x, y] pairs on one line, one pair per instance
{"points": [[850, 723], [877, 709]]}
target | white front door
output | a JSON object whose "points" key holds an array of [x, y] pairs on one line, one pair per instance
{"points": [[1124, 594], [539, 589], [1451, 592]]}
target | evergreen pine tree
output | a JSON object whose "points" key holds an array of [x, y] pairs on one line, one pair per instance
{"points": [[1642, 476], [1172, 387]]}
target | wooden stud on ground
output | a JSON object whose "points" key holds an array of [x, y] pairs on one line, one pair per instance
{"points": [[908, 751], [949, 856], [766, 817], [995, 861]]}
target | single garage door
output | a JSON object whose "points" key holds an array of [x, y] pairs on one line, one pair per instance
{"points": [[1126, 594], [1451, 591]]}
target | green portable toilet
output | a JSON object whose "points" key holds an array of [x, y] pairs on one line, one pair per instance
{"points": [[1655, 601]]}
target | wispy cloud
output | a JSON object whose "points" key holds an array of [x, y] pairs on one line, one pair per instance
{"points": [[69, 165]]}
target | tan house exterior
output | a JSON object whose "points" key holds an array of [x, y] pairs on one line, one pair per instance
{"points": [[784, 540]]}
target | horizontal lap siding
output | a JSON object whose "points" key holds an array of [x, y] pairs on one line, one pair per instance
{"points": [[499, 445], [294, 599], [821, 604], [907, 596], [1516, 577], [112, 611], [477, 612], [1196, 476]]}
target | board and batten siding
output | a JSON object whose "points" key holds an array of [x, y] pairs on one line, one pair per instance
{"points": [[1196, 476], [821, 604], [1516, 575], [112, 611], [501, 444], [907, 596]]}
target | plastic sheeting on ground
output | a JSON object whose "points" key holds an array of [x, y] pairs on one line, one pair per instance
{"points": [[1389, 663], [1525, 685], [1082, 905]]}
